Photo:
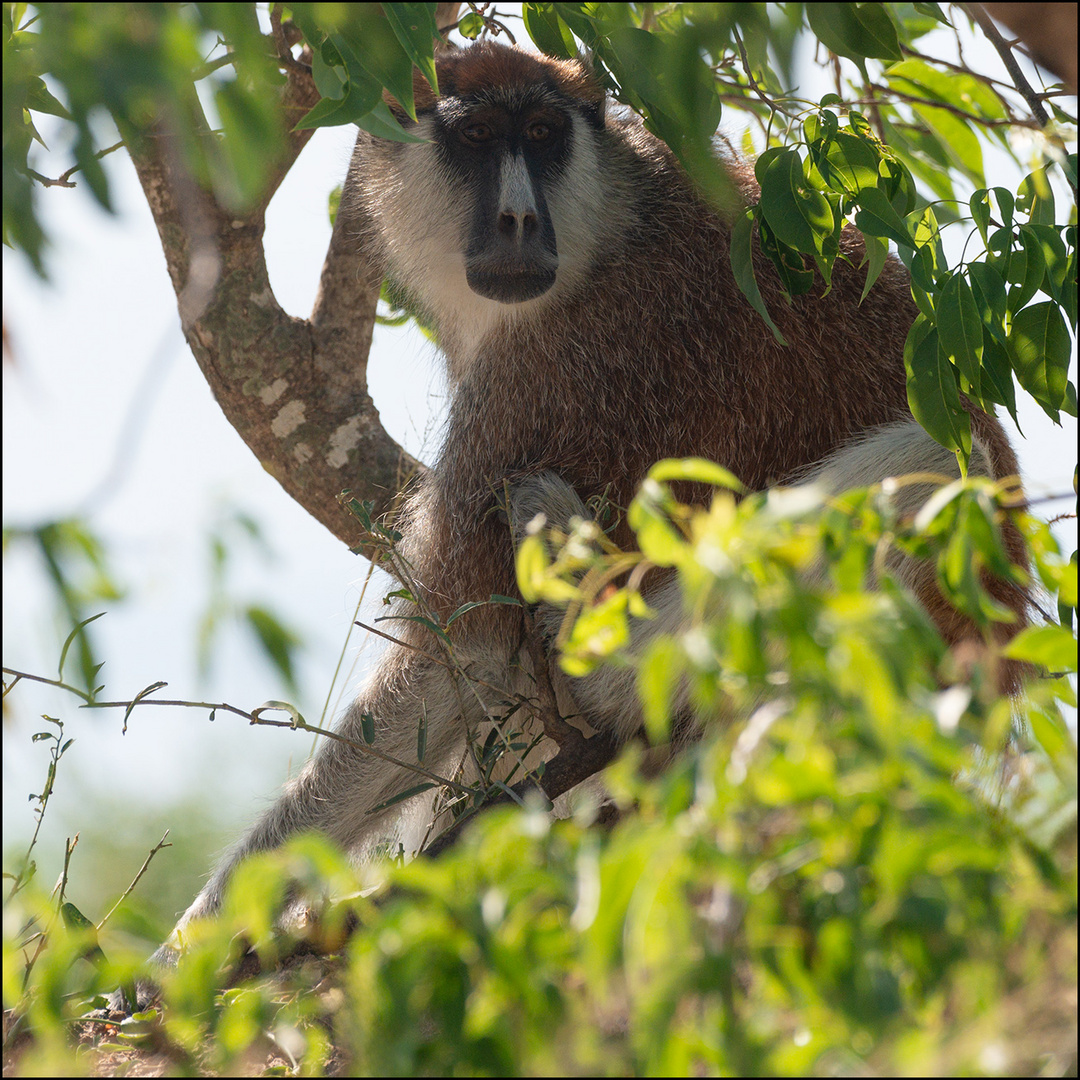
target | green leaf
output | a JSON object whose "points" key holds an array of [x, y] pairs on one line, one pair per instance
{"points": [[988, 289], [531, 565], [471, 25], [979, 204], [382, 123], [1051, 734], [997, 377], [401, 796], [1040, 346], [877, 254], [1035, 197], [1057, 260], [932, 391], [367, 727], [955, 88], [742, 266], [697, 469], [878, 217], [328, 71], [598, 632], [659, 540], [549, 32], [414, 26], [959, 141], [421, 620], [850, 162], [1027, 273], [40, 99], [77, 631], [856, 31], [659, 673], [279, 644], [361, 97], [368, 40], [1052, 646], [797, 213], [960, 329]]}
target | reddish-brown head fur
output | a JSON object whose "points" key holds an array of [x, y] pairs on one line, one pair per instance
{"points": [[482, 66]]}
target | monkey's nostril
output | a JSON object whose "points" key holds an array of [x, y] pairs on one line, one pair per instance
{"points": [[521, 225]]}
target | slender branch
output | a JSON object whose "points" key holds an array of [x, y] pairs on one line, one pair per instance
{"points": [[1027, 92], [913, 99], [283, 43], [937, 61], [297, 723], [64, 179], [20, 675], [294, 390]]}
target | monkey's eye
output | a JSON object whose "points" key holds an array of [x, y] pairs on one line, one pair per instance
{"points": [[538, 133], [477, 133]]}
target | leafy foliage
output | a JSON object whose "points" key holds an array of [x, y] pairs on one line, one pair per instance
{"points": [[866, 869], [867, 866]]}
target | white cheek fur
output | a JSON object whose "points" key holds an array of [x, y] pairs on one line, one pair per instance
{"points": [[424, 226]]}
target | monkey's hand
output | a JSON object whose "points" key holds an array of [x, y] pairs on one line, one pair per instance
{"points": [[144, 992], [545, 495]]}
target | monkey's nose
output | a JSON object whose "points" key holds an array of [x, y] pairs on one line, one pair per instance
{"points": [[518, 225]]}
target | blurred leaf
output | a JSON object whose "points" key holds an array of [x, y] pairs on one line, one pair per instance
{"points": [[279, 644], [1052, 647]]}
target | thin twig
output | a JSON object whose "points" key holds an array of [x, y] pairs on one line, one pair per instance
{"points": [[753, 83], [296, 722], [914, 99], [135, 880], [214, 706], [64, 179], [41, 679], [937, 61], [61, 883]]}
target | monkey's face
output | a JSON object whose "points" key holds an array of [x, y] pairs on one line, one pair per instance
{"points": [[503, 207], [509, 156]]}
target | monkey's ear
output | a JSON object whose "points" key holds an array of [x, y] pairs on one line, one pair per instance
{"points": [[587, 85]]}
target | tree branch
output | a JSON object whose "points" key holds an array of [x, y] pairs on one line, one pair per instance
{"points": [[571, 766], [1048, 30], [294, 390], [979, 13]]}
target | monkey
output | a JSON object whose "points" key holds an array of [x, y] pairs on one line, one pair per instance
{"points": [[582, 295]]}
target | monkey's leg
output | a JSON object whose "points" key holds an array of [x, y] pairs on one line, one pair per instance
{"points": [[336, 792]]}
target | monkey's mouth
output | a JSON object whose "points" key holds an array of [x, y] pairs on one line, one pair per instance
{"points": [[511, 283]]}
